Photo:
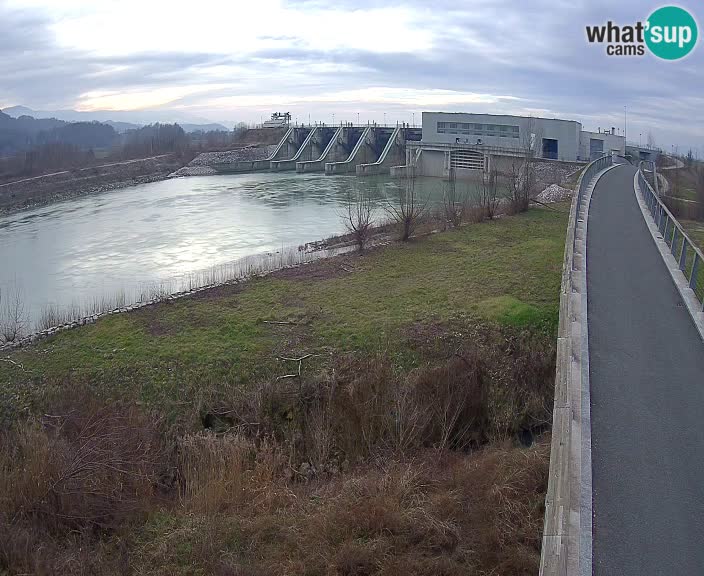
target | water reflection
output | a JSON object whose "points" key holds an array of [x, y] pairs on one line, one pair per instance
{"points": [[75, 251]]}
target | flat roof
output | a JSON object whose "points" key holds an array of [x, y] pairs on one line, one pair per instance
{"points": [[504, 116]]}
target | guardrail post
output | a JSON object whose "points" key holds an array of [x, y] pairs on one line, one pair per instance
{"points": [[695, 270], [683, 255], [675, 234]]}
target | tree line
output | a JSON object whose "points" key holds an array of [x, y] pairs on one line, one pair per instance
{"points": [[30, 147]]}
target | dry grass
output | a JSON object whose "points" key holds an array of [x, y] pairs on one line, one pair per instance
{"points": [[360, 406], [360, 469], [72, 477], [432, 514]]}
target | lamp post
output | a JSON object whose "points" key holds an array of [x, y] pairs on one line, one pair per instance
{"points": [[414, 119], [384, 118]]}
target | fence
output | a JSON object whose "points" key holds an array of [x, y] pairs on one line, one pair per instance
{"points": [[687, 254], [585, 180]]}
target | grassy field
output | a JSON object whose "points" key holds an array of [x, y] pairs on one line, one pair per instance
{"points": [[695, 230], [683, 184], [506, 272], [360, 415]]}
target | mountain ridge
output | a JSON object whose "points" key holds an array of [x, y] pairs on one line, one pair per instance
{"points": [[120, 120]]}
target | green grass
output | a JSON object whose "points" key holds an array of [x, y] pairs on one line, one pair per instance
{"points": [[183, 352], [695, 230]]}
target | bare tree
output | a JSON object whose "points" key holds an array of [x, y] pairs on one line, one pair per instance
{"points": [[689, 158], [522, 179], [488, 198], [455, 203], [699, 185], [13, 320], [357, 217], [651, 140], [406, 209]]}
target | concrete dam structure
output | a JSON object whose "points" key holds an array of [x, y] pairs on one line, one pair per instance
{"points": [[346, 149], [376, 150]]}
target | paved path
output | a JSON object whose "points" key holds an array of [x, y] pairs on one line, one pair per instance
{"points": [[647, 394]]}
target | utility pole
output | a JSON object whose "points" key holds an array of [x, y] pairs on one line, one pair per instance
{"points": [[384, 118], [625, 130], [414, 119], [357, 118]]}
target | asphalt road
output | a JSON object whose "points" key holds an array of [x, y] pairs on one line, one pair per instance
{"points": [[647, 397]]}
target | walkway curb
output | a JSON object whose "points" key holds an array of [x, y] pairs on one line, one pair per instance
{"points": [[567, 531], [688, 297]]}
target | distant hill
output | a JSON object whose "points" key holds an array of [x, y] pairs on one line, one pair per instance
{"points": [[24, 133], [203, 127], [120, 120]]}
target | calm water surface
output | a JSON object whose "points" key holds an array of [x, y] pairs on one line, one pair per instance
{"points": [[79, 250]]}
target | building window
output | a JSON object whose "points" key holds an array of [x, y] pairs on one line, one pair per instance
{"points": [[481, 130]]}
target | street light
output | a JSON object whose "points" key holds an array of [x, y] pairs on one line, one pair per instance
{"points": [[384, 118], [357, 118], [414, 119]]}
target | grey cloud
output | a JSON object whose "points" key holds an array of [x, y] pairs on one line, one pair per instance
{"points": [[536, 52]]}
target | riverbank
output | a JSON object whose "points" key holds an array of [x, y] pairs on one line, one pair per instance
{"points": [[43, 190], [376, 413]]}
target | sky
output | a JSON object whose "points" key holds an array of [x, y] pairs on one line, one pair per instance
{"points": [[235, 60]]}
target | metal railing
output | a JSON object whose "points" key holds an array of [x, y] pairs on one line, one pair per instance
{"points": [[585, 180], [689, 257], [589, 172]]}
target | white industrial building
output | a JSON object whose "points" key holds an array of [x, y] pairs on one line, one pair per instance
{"points": [[472, 142]]}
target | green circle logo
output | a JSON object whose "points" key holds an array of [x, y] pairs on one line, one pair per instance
{"points": [[670, 33]]}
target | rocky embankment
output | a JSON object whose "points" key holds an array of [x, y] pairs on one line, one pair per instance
{"points": [[554, 193], [41, 190], [228, 161], [551, 172]]}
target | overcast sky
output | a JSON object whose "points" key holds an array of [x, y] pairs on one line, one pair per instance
{"points": [[236, 60]]}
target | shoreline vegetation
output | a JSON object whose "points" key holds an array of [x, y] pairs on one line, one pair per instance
{"points": [[58, 171], [383, 412]]}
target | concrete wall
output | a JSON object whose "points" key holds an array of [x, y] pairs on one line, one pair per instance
{"points": [[610, 142], [643, 153], [394, 153], [432, 163], [500, 131]]}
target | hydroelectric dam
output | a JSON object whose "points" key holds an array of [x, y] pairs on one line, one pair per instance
{"points": [[345, 149]]}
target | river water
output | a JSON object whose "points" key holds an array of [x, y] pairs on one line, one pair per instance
{"points": [[75, 253]]}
